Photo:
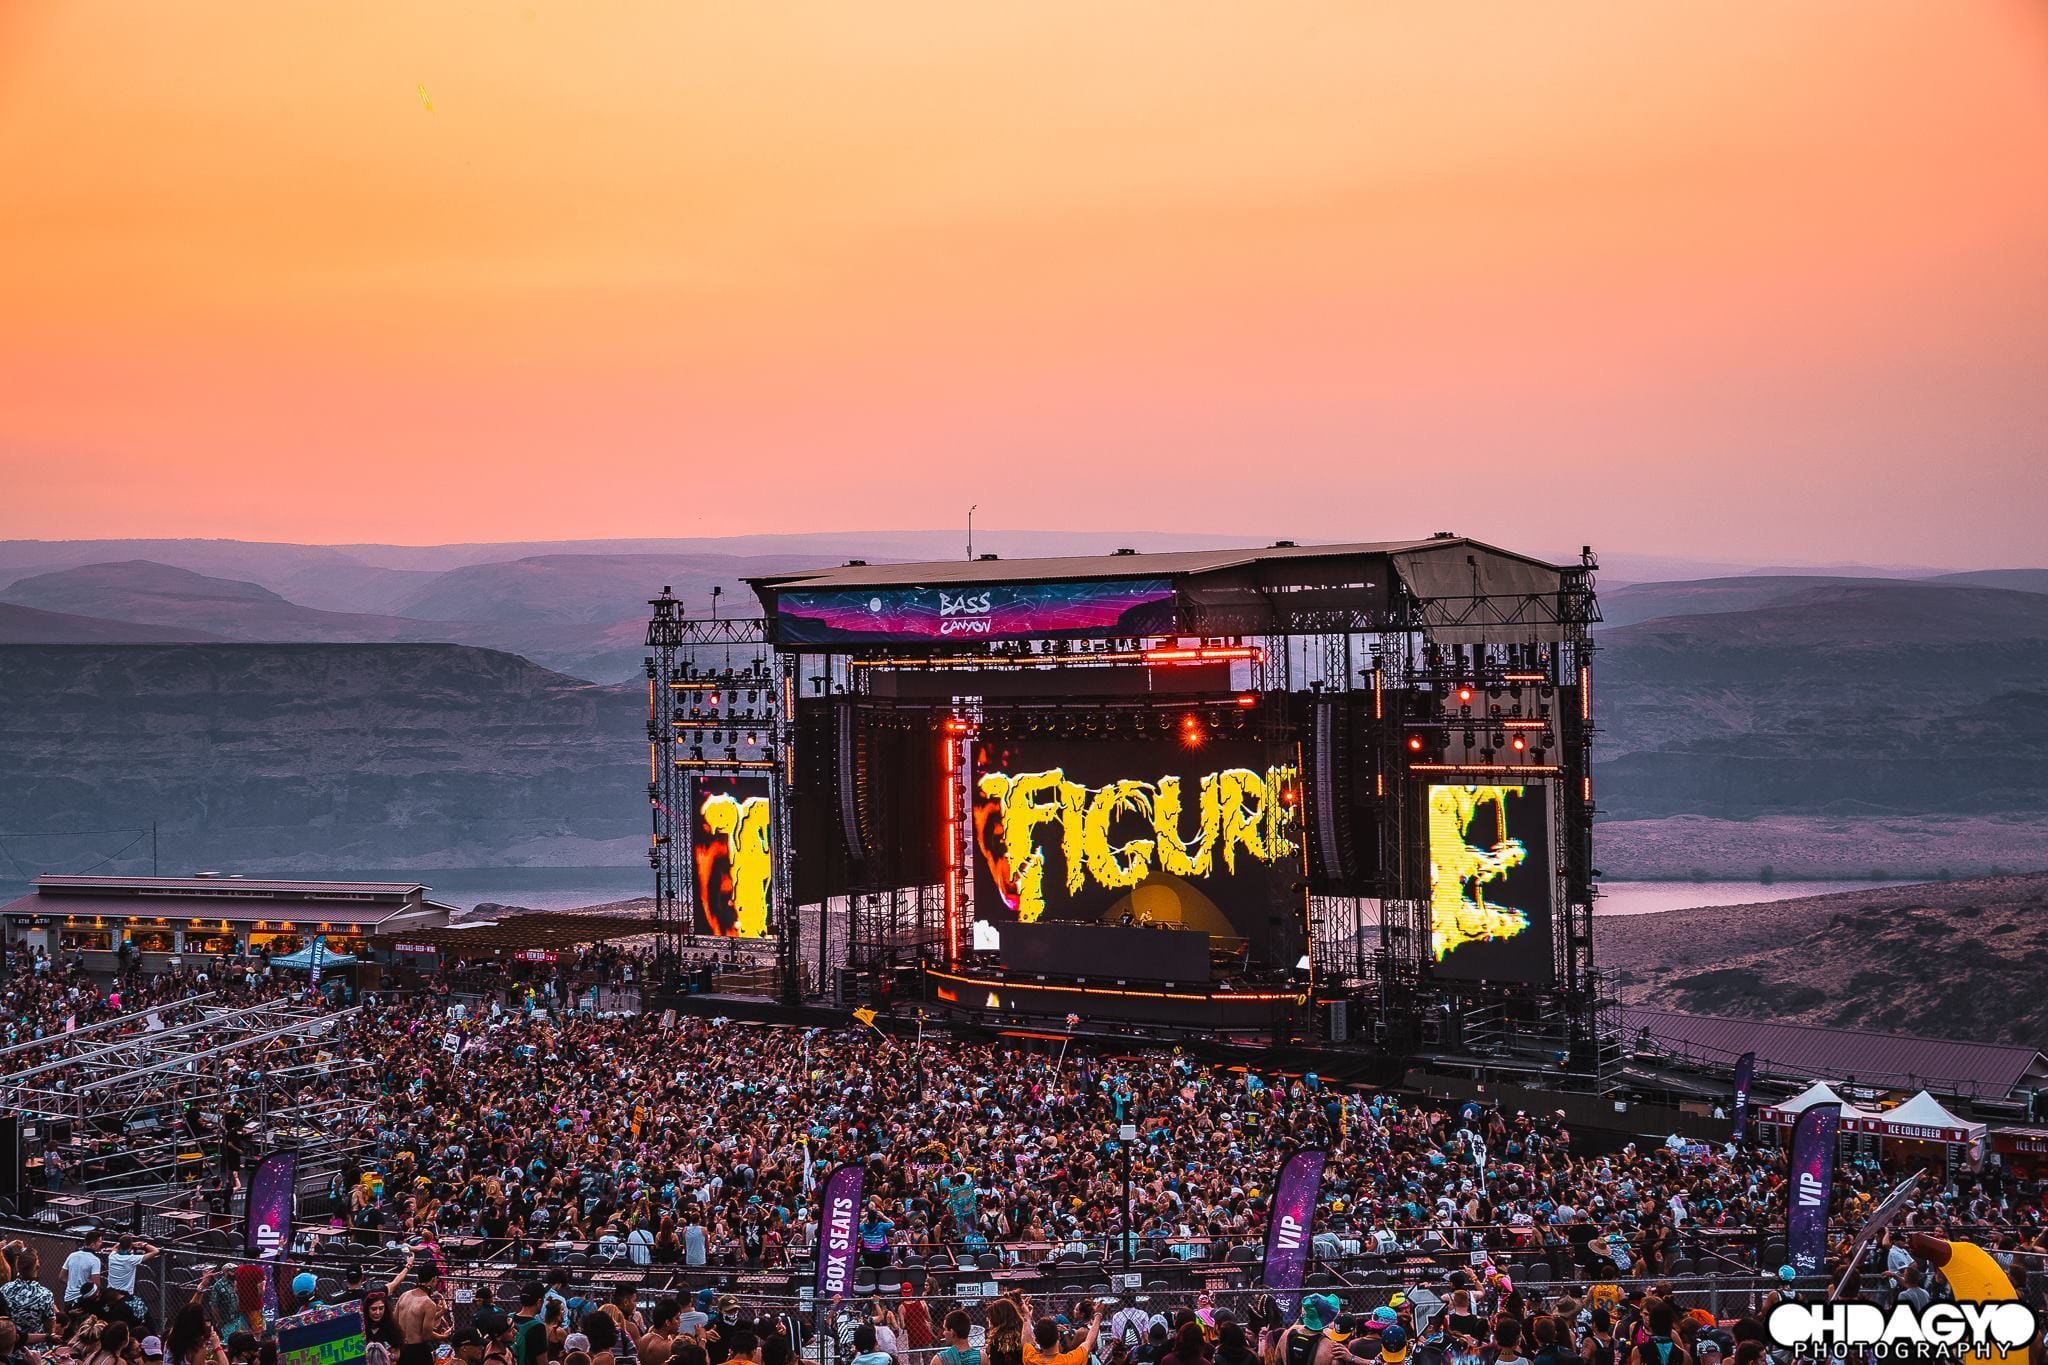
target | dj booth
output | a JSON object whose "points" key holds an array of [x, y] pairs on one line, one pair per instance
{"points": [[1122, 952]]}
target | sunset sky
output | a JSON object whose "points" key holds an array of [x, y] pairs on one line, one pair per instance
{"points": [[1762, 281]]}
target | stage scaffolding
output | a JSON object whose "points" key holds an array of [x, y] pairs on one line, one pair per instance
{"points": [[144, 1095], [1363, 629]]}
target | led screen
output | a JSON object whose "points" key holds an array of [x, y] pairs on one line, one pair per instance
{"points": [[1490, 882], [841, 616], [730, 838], [1202, 835]]}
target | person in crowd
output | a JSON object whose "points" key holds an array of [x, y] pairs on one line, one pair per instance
{"points": [[83, 1271], [422, 1318], [28, 1301]]}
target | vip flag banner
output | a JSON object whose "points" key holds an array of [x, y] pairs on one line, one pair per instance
{"points": [[1287, 1234], [1745, 1072], [839, 1231], [269, 1228], [1813, 1179]]}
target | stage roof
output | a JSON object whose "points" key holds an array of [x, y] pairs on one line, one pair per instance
{"points": [[554, 929], [1460, 590], [1071, 568]]}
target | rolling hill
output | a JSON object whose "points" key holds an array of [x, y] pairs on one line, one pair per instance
{"points": [[312, 758], [143, 591], [21, 625], [1951, 960]]}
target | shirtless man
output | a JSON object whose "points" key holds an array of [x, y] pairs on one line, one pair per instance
{"points": [[422, 1318]]}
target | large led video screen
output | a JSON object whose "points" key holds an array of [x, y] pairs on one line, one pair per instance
{"points": [[731, 838], [1202, 836], [1490, 882], [920, 615]]}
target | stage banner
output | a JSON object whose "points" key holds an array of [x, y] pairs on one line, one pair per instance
{"points": [[325, 1336], [1745, 1072], [839, 1231], [1813, 1179], [1294, 1208], [269, 1226]]}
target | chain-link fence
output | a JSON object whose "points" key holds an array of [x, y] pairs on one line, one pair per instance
{"points": [[913, 1300]]}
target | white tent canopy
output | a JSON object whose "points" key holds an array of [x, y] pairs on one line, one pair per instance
{"points": [[1820, 1092], [1925, 1111]]}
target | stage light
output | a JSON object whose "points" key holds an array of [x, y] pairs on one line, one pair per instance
{"points": [[1465, 695], [1518, 744], [1191, 732], [1415, 744], [1499, 739]]}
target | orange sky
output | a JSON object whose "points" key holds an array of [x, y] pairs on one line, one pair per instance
{"points": [[1763, 281]]}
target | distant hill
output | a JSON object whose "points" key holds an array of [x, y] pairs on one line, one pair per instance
{"points": [[167, 596], [1843, 698], [1949, 960], [21, 625], [2025, 580], [593, 589], [304, 757], [1635, 602], [173, 603]]}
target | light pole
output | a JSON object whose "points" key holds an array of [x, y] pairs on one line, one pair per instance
{"points": [[1126, 1134]]}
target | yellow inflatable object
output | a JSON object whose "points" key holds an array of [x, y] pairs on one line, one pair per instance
{"points": [[1970, 1272]]}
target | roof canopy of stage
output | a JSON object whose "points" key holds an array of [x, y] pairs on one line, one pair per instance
{"points": [[1458, 590]]}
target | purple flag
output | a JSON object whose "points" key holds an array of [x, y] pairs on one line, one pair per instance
{"points": [[1812, 1184], [1287, 1233], [269, 1229], [839, 1231], [1745, 1072]]}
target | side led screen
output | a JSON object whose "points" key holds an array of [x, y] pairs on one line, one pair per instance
{"points": [[1490, 882], [731, 838], [1197, 835]]}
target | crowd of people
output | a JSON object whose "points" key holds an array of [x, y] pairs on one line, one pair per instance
{"points": [[526, 1131]]}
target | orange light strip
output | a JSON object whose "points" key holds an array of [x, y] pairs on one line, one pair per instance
{"points": [[952, 837], [1379, 705], [1484, 768], [1527, 677], [1223, 997], [751, 764], [1585, 691]]}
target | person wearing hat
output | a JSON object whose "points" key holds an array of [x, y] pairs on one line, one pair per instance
{"points": [[306, 1290], [1308, 1341], [1394, 1345], [497, 1332], [468, 1345]]}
